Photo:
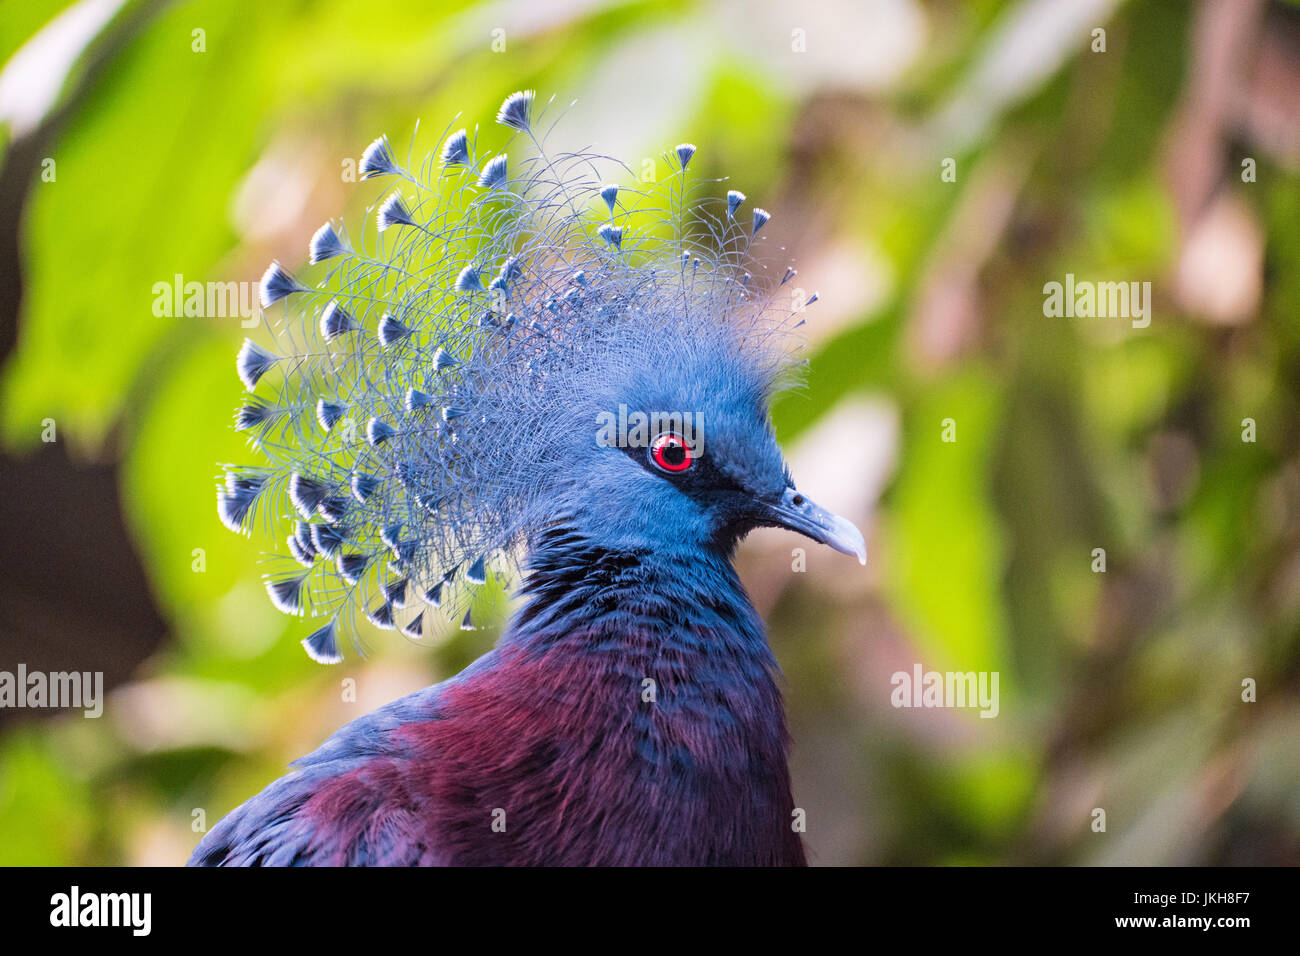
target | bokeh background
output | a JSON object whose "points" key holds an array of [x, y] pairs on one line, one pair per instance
{"points": [[1171, 156]]}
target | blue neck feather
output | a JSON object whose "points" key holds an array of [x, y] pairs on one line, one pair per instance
{"points": [[710, 731]]}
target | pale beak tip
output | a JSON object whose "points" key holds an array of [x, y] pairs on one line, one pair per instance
{"points": [[845, 537], [798, 513]]}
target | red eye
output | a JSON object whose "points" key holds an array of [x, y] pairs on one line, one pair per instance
{"points": [[670, 453]]}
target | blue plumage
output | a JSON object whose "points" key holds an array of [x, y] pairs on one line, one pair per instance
{"points": [[591, 422], [458, 408], [252, 363], [493, 175], [455, 151], [393, 212], [516, 111], [377, 160], [325, 244], [277, 284]]}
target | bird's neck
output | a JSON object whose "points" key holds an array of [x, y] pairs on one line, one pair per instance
{"points": [[633, 601], [657, 667]]}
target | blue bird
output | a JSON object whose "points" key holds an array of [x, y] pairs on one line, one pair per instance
{"points": [[527, 373]]}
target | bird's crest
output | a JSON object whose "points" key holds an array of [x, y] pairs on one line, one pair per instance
{"points": [[406, 418]]}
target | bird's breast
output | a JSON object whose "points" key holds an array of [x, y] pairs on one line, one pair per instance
{"points": [[641, 756]]}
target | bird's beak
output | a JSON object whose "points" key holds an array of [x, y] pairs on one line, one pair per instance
{"points": [[796, 512]]}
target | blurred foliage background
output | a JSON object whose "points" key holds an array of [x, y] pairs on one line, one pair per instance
{"points": [[1171, 156]]}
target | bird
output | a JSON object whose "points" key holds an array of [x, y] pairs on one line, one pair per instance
{"points": [[532, 373]]}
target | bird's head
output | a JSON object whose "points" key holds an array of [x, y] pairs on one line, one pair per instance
{"points": [[522, 343], [679, 452]]}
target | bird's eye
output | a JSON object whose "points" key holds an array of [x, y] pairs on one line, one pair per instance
{"points": [[669, 453]]}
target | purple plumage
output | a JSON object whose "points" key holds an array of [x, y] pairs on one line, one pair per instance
{"points": [[601, 409]]}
